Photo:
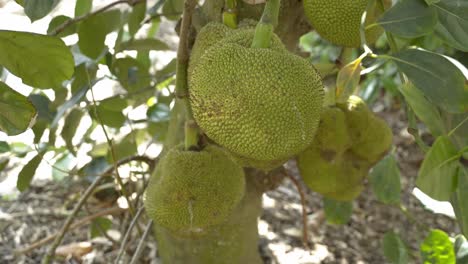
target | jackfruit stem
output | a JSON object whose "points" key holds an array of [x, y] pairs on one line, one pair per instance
{"points": [[267, 24], [191, 135], [230, 14]]}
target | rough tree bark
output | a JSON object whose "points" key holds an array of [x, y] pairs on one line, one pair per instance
{"points": [[236, 241]]}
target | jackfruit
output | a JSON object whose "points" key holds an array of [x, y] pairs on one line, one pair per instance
{"points": [[259, 103], [357, 118], [332, 135], [340, 177], [192, 191], [338, 21], [376, 143]]}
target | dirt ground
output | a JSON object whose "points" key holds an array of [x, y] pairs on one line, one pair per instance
{"points": [[42, 209]]}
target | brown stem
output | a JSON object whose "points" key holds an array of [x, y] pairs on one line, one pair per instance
{"points": [[305, 234]]}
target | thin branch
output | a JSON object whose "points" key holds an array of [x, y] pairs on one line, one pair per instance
{"points": [[139, 250], [75, 20], [127, 234], [81, 222], [305, 233]]}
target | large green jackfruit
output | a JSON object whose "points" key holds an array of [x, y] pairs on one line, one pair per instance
{"points": [[194, 190], [332, 135], [339, 21], [260, 104]]}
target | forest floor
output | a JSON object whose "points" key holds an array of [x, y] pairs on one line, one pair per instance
{"points": [[41, 210]]}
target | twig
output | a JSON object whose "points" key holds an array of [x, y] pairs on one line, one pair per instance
{"points": [[127, 234], [75, 20], [141, 244], [51, 252], [77, 224], [305, 233]]}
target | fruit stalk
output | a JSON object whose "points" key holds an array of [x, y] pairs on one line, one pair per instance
{"points": [[267, 24]]}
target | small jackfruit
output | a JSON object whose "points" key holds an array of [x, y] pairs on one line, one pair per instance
{"points": [[339, 21], [376, 143], [339, 177], [333, 135], [259, 103], [191, 191], [357, 118]]}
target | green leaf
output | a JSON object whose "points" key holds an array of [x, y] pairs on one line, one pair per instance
{"points": [[158, 113], [453, 23], [123, 148], [337, 212], [72, 122], [409, 19], [95, 167], [172, 9], [82, 7], [166, 72], [143, 45], [437, 176], [395, 250], [20, 149], [75, 99], [17, 113], [36, 9], [27, 173], [437, 248], [110, 112], [424, 110], [40, 61], [44, 117], [61, 168], [459, 200], [3, 163], [93, 31], [348, 80], [84, 74], [58, 21], [461, 249], [98, 225], [439, 79], [136, 17], [385, 180], [4, 147], [131, 74]]}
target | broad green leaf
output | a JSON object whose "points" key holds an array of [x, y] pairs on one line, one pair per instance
{"points": [[395, 250], [347, 80], [172, 9], [459, 200], [461, 249], [424, 110], [61, 168], [20, 2], [453, 22], [84, 74], [58, 21], [123, 148], [337, 212], [75, 99], [17, 113], [92, 32], [158, 131], [95, 167], [27, 173], [143, 45], [37, 9], [4, 147], [44, 117], [82, 7], [439, 79], [3, 163], [166, 72], [72, 121], [437, 248], [20, 149], [40, 61], [385, 180], [437, 176], [98, 225], [110, 112], [136, 17], [131, 74], [409, 19]]}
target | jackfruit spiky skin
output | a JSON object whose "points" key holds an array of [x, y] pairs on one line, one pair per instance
{"points": [[357, 118], [377, 142], [339, 21], [332, 135], [191, 191], [339, 177], [260, 104]]}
